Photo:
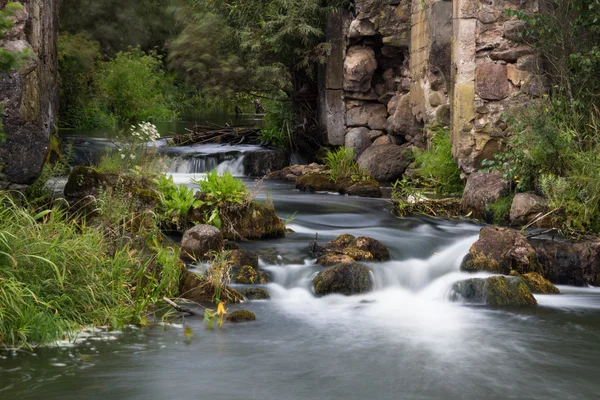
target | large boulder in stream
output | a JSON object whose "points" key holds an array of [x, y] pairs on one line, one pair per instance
{"points": [[493, 291], [199, 241], [247, 221], [569, 263], [260, 163], [347, 279], [347, 249], [501, 250], [526, 207]]}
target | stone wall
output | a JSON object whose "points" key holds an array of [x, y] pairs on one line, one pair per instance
{"points": [[29, 95], [406, 66]]}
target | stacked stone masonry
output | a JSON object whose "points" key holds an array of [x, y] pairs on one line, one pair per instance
{"points": [[405, 66]]}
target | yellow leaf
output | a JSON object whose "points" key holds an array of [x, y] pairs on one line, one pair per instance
{"points": [[221, 310], [187, 332]]}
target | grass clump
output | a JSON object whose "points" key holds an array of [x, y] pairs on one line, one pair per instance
{"points": [[500, 210], [436, 168], [343, 166], [58, 275]]}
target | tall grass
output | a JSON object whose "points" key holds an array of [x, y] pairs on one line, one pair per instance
{"points": [[57, 276]]}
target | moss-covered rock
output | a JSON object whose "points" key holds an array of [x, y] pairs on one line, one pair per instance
{"points": [[316, 182], [537, 283], [292, 172], [368, 188], [347, 248], [346, 279], [248, 275], [501, 250], [494, 291], [197, 288], [87, 181], [255, 294], [331, 259], [241, 316], [248, 221]]}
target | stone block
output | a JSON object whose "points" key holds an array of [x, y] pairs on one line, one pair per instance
{"points": [[492, 81]]}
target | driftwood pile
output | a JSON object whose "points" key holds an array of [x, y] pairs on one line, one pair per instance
{"points": [[201, 134]]}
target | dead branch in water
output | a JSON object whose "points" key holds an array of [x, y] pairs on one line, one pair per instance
{"points": [[179, 308], [200, 134]]}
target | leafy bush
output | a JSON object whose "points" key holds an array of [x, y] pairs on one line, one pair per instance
{"points": [[176, 201], [279, 123], [57, 276], [221, 192], [134, 86], [436, 167]]}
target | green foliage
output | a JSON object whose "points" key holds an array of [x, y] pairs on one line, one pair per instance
{"points": [[250, 46], [279, 123], [117, 25], [9, 59], [341, 163], [567, 35], [436, 166], [500, 210], [134, 86], [80, 104], [176, 201], [221, 192], [57, 276], [134, 152]]}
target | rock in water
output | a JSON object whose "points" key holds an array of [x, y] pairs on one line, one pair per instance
{"points": [[197, 288], [200, 240], [537, 283], [346, 279], [241, 316], [494, 291], [347, 249], [256, 294], [501, 250]]}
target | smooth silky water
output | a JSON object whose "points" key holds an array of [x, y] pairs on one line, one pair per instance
{"points": [[404, 340]]}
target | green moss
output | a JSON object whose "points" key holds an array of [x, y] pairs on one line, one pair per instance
{"points": [[499, 211], [241, 316]]}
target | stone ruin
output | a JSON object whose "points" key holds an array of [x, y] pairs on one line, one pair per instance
{"points": [[398, 67]]}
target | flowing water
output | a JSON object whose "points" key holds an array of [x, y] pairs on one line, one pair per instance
{"points": [[404, 340]]}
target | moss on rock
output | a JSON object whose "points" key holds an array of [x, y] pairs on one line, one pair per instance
{"points": [[197, 288], [241, 316], [346, 279], [316, 182], [256, 294], [537, 283], [494, 291], [501, 250]]}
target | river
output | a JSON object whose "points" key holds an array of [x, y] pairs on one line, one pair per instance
{"points": [[404, 340]]}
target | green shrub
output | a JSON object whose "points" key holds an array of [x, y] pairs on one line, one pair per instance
{"points": [[57, 276], [221, 192], [176, 202], [341, 163], [436, 167], [500, 210], [134, 86], [279, 123]]}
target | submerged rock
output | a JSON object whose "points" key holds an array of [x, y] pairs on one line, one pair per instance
{"points": [[537, 283], [199, 241], [317, 182], [346, 279], [260, 163], [494, 291], [322, 182], [501, 250], [364, 189], [197, 288], [241, 316], [256, 294]]}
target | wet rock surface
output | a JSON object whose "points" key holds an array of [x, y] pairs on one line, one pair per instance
{"points": [[347, 279], [494, 291]]}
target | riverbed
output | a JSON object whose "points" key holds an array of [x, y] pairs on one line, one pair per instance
{"points": [[404, 340]]}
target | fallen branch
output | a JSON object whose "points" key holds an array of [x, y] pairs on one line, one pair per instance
{"points": [[553, 230], [179, 308]]}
